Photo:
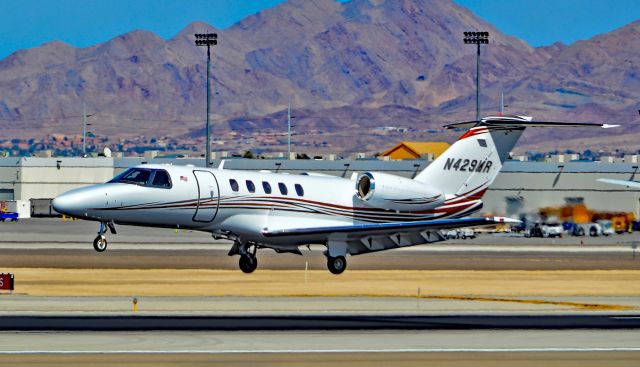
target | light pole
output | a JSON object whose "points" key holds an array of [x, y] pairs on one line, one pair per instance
{"points": [[208, 40], [84, 128], [289, 126], [477, 38]]}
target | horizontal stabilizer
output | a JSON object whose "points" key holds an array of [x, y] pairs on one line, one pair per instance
{"points": [[620, 182], [381, 228], [521, 121]]}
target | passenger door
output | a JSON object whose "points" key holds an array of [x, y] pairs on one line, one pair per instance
{"points": [[208, 196]]}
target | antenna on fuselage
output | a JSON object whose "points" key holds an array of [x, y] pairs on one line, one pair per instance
{"points": [[221, 165]]}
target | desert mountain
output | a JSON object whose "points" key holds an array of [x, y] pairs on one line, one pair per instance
{"points": [[346, 68]]}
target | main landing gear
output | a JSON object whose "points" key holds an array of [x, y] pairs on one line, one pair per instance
{"points": [[248, 262], [336, 265], [100, 242], [336, 256]]}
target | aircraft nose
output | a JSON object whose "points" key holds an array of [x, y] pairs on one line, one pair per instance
{"points": [[67, 203], [79, 202]]}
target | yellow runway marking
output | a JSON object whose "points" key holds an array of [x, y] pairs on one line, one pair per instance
{"points": [[578, 305]]}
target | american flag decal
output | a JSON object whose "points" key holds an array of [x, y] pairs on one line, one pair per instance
{"points": [[184, 178]]}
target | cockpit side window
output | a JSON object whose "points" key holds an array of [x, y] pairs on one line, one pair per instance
{"points": [[144, 177], [161, 179], [136, 176]]}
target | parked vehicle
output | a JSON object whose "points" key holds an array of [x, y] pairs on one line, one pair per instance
{"points": [[534, 231], [466, 233], [461, 233], [452, 234], [8, 215], [552, 230], [606, 227], [591, 229]]}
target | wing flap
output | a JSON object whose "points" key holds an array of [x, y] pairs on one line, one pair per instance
{"points": [[381, 228]]}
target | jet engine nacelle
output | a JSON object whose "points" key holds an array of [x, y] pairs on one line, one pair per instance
{"points": [[385, 191]]}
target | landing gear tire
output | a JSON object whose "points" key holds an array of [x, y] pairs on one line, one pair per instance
{"points": [[337, 264], [248, 264], [100, 244]]}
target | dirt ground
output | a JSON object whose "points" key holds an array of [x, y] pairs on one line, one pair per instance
{"points": [[337, 359], [276, 283]]}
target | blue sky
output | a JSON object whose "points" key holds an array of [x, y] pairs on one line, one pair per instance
{"points": [[81, 23], [543, 22]]}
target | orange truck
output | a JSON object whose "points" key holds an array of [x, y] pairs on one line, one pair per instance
{"points": [[580, 214]]}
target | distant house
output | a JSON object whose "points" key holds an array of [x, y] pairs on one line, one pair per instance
{"points": [[416, 149]]}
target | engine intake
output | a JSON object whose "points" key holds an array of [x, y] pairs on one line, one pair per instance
{"points": [[385, 191]]}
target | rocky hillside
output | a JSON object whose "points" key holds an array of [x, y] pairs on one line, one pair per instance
{"points": [[346, 68]]}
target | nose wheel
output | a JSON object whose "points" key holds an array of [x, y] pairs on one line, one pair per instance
{"points": [[100, 243]]}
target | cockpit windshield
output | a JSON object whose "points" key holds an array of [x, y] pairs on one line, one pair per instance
{"points": [[144, 177]]}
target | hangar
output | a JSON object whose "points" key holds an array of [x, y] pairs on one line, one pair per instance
{"points": [[521, 186]]}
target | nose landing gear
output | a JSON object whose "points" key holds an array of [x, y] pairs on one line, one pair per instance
{"points": [[100, 242]]}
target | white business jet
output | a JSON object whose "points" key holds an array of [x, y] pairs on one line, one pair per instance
{"points": [[375, 212]]}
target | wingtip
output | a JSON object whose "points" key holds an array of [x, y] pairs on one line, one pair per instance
{"points": [[609, 126], [505, 220]]}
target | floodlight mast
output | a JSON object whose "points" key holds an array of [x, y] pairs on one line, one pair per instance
{"points": [[208, 40], [84, 128], [477, 38]]}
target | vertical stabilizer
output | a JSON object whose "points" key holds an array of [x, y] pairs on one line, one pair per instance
{"points": [[471, 164]]}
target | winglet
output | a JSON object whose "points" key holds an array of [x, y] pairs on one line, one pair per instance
{"points": [[505, 220]]}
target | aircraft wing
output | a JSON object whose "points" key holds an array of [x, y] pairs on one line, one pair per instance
{"points": [[390, 228], [620, 182]]}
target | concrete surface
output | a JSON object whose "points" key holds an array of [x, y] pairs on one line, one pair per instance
{"points": [[192, 342], [218, 306]]}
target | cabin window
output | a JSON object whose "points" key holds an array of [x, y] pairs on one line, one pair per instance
{"points": [[283, 188], [234, 185], [299, 190], [266, 187], [161, 179], [250, 186]]}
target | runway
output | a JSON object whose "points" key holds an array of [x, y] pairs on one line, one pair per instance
{"points": [[319, 348], [316, 322], [53, 243], [491, 301]]}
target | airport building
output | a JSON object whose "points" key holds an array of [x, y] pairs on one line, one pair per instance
{"points": [[521, 187]]}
